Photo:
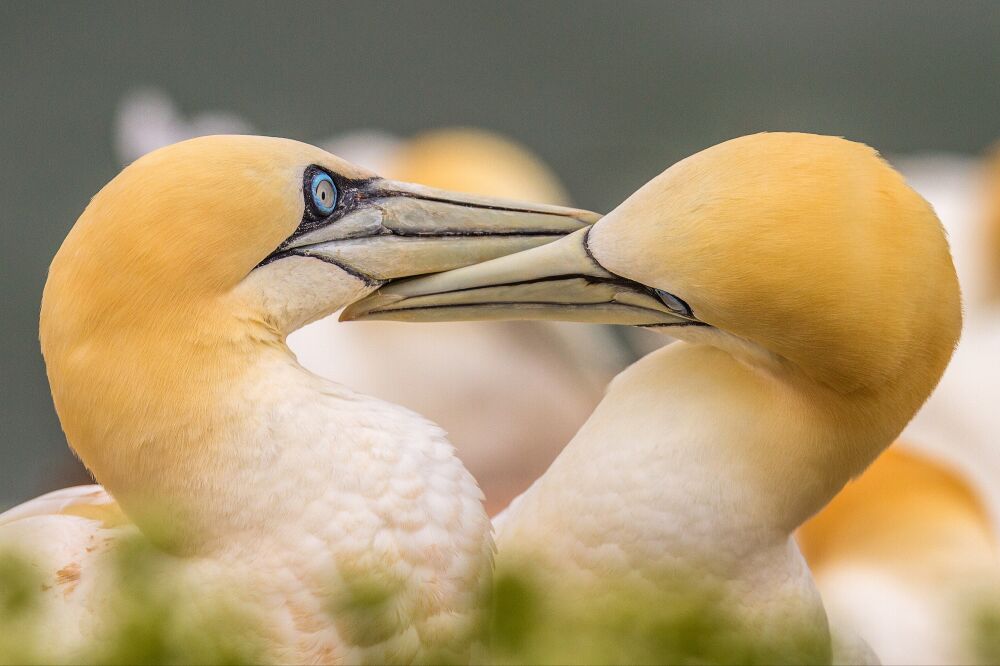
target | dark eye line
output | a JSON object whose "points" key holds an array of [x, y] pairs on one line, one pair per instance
{"points": [[673, 302], [685, 310], [351, 193]]}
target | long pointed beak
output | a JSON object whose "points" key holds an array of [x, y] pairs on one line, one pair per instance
{"points": [[391, 229], [561, 280]]}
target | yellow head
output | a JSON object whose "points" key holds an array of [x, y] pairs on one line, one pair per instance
{"points": [[811, 247], [202, 253], [805, 254], [176, 230]]}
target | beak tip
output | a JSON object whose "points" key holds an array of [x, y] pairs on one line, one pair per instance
{"points": [[369, 305], [354, 312]]}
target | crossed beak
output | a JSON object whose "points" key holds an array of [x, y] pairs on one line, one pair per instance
{"points": [[383, 230], [561, 280]]}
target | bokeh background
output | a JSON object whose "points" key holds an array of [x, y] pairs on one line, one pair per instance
{"points": [[607, 94]]}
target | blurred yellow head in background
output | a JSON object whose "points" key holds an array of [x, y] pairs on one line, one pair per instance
{"points": [[477, 162]]}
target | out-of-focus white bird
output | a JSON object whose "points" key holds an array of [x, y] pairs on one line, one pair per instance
{"points": [[147, 119], [817, 306], [163, 327]]}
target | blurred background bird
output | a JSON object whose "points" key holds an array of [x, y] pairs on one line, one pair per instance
{"points": [[959, 425], [907, 557]]}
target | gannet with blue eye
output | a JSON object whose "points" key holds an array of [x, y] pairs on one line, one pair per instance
{"points": [[163, 328], [816, 303]]}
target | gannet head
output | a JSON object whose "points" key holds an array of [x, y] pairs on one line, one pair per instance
{"points": [[805, 254], [206, 248], [295, 231]]}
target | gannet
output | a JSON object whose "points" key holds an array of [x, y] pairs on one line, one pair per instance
{"points": [[163, 326], [469, 377], [816, 305], [906, 554], [907, 557]]}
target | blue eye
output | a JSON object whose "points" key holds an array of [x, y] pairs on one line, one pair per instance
{"points": [[324, 193]]}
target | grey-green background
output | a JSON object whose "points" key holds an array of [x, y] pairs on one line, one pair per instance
{"points": [[607, 93]]}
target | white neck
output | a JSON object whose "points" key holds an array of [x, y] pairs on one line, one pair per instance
{"points": [[280, 450], [289, 482], [693, 459]]}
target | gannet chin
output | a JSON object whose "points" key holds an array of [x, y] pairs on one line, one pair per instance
{"points": [[816, 305], [163, 328]]}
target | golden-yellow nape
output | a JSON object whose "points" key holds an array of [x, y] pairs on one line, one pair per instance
{"points": [[809, 248], [182, 223]]}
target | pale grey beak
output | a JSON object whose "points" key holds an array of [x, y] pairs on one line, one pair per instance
{"points": [[561, 280], [387, 230]]}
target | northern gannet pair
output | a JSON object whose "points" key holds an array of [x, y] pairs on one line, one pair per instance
{"points": [[813, 293], [163, 327], [817, 305]]}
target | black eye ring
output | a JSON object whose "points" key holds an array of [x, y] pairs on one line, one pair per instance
{"points": [[673, 303]]}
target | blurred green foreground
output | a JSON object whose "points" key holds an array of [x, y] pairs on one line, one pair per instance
{"points": [[154, 618]]}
